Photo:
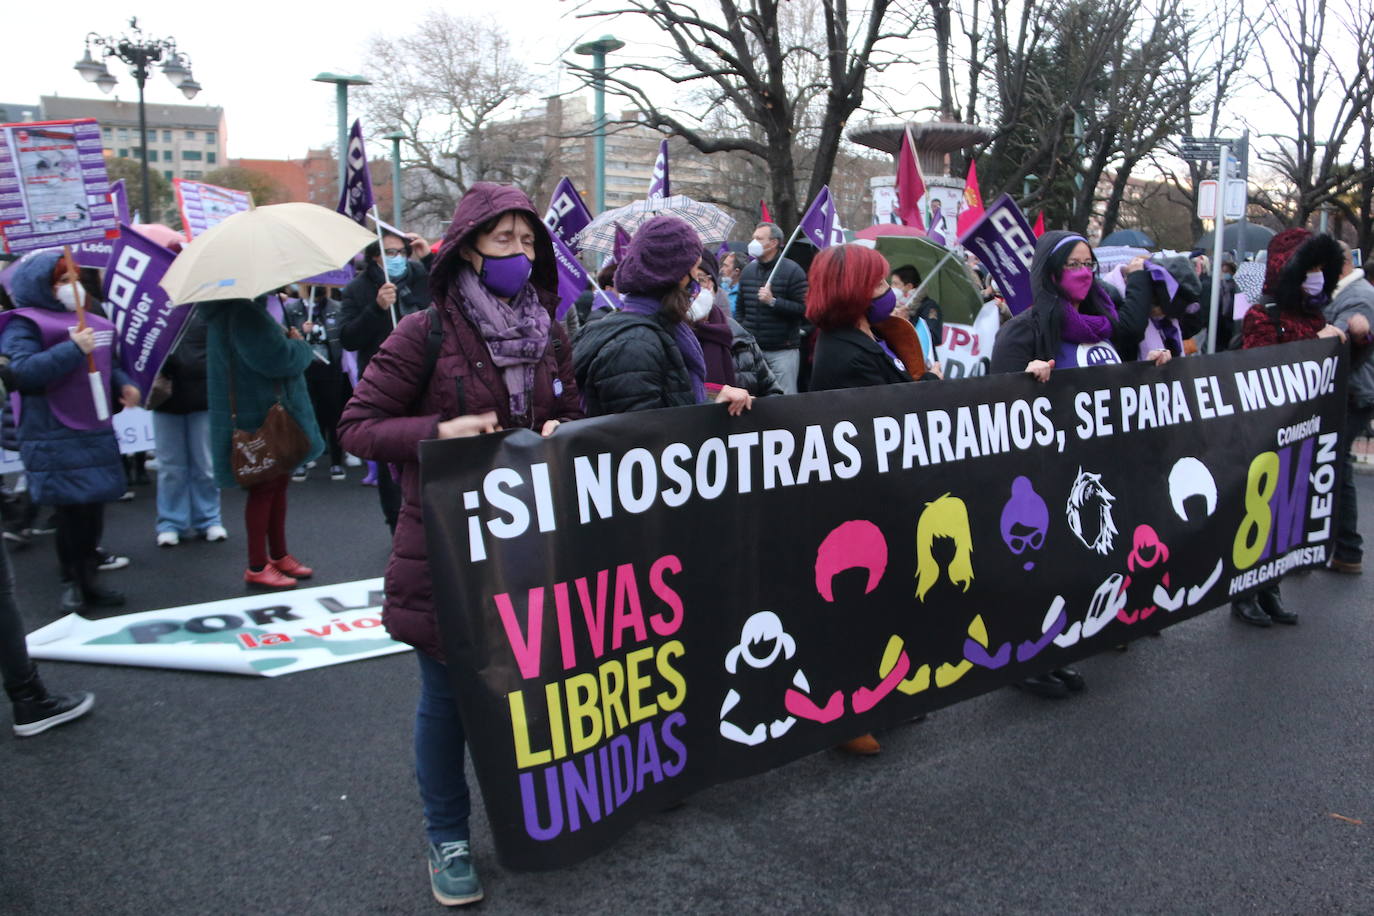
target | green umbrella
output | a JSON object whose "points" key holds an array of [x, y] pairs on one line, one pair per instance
{"points": [[950, 286]]}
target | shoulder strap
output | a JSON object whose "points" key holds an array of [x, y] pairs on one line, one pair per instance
{"points": [[434, 342]]}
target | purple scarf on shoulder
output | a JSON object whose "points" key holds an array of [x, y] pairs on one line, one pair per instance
{"points": [[516, 334], [686, 341], [1085, 329]]}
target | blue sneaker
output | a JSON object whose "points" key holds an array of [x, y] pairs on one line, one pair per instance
{"points": [[452, 876]]}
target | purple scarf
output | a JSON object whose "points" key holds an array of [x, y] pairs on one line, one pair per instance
{"points": [[682, 334], [716, 339], [1084, 329], [516, 334]]}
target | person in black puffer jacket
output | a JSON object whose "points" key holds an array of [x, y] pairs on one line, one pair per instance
{"points": [[646, 356], [774, 312], [187, 498], [732, 355]]}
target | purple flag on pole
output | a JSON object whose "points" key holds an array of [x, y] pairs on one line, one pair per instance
{"points": [[356, 199], [723, 250], [1004, 242], [936, 236], [572, 277], [622, 244], [821, 224], [568, 214], [658, 185], [147, 325], [120, 196]]}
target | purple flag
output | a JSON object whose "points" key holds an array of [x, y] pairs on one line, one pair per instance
{"points": [[356, 199], [622, 244], [821, 223], [658, 185], [936, 236], [723, 250], [568, 214], [120, 196], [147, 325], [572, 277], [1160, 273], [1004, 242]]}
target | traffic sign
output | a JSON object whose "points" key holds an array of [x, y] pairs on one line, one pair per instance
{"points": [[1204, 149], [1237, 195]]}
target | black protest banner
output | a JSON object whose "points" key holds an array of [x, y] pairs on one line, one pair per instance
{"points": [[647, 604]]}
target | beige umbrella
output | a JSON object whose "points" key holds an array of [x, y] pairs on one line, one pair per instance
{"points": [[257, 251]]}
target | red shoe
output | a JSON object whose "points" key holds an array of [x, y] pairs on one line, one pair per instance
{"points": [[292, 567], [269, 577]]}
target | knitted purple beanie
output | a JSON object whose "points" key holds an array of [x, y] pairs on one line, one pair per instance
{"points": [[661, 253]]}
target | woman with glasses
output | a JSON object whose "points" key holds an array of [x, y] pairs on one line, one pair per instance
{"points": [[1072, 323]]}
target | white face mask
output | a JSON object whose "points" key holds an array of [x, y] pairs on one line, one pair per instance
{"points": [[66, 294], [755, 248], [701, 306]]}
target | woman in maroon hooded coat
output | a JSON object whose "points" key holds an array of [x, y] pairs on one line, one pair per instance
{"points": [[504, 362]]}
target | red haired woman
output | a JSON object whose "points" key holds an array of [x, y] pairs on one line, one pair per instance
{"points": [[849, 295]]}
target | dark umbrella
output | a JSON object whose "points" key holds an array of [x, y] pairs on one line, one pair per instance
{"points": [[1133, 238], [1256, 238]]}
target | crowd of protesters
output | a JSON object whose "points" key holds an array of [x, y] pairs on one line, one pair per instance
{"points": [[462, 340]]}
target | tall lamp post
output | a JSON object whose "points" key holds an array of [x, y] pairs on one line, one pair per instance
{"points": [[140, 53], [395, 137], [341, 83], [598, 50]]}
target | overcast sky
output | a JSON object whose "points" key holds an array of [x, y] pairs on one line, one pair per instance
{"points": [[254, 58]]}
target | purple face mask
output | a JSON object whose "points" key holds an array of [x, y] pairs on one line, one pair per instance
{"points": [[881, 307], [1077, 282], [505, 276]]}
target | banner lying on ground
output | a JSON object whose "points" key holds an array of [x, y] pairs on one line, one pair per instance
{"points": [[53, 186], [643, 605], [266, 635]]}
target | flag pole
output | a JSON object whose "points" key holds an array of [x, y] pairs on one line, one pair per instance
{"points": [[377, 225], [98, 395], [781, 252]]}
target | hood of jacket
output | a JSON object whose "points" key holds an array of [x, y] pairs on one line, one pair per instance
{"points": [[483, 201], [31, 283], [1320, 252]]}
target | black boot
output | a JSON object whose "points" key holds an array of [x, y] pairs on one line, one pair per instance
{"points": [[73, 601], [95, 594], [1271, 602], [1044, 685], [1248, 610], [1071, 678], [36, 710]]}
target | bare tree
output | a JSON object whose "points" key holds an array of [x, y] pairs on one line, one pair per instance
{"points": [[1319, 70], [453, 86], [773, 90]]}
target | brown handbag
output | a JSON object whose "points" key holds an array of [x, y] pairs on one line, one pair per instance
{"points": [[272, 450]]}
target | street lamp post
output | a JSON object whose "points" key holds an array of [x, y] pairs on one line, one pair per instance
{"points": [[341, 83], [140, 53], [395, 137], [598, 50]]}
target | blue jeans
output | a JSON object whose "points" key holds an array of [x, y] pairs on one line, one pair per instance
{"points": [[439, 749], [187, 498]]}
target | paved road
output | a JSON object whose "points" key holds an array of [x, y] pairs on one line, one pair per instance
{"points": [[1198, 773]]}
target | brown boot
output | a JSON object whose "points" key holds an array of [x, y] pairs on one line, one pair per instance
{"points": [[862, 746]]}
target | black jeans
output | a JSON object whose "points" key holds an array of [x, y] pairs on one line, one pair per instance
{"points": [[1349, 545], [15, 666], [329, 391], [79, 528]]}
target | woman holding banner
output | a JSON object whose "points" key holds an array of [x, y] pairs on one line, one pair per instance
{"points": [[646, 355], [1073, 323], [63, 364], [487, 356], [1300, 274]]}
